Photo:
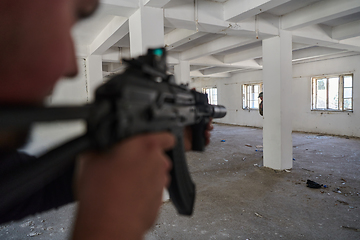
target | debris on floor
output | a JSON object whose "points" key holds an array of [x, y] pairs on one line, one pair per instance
{"points": [[312, 184], [223, 141], [342, 202], [248, 145], [351, 228], [307, 169], [33, 234]]}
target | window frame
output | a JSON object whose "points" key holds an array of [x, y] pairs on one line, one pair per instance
{"points": [[341, 89], [246, 98], [210, 97]]}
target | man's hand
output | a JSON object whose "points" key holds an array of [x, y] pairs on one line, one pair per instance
{"points": [[188, 135], [120, 191]]}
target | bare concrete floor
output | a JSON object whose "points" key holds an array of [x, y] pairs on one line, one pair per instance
{"points": [[237, 198]]}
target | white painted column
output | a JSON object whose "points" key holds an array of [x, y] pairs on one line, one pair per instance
{"points": [[182, 72], [146, 30], [277, 79], [93, 74]]}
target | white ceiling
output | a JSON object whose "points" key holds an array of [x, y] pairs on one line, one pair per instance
{"points": [[229, 33]]}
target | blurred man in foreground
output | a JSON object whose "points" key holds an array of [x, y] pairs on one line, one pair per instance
{"points": [[120, 191]]}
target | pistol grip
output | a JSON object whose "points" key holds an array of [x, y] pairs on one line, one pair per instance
{"points": [[198, 135], [182, 188]]}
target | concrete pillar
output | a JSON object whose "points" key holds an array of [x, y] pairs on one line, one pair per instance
{"points": [[277, 79], [182, 72], [146, 27], [93, 74]]}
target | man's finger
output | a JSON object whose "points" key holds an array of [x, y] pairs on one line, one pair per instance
{"points": [[164, 139]]}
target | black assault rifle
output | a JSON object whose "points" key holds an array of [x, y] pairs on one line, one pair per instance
{"points": [[143, 99]]}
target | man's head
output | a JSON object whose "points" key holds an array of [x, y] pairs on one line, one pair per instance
{"points": [[37, 48], [261, 96]]}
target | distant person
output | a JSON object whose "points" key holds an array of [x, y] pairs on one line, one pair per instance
{"points": [[261, 104]]}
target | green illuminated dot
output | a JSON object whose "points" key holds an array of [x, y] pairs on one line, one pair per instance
{"points": [[158, 52]]}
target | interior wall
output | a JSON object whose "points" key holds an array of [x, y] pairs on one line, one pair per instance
{"points": [[45, 136], [71, 91], [229, 95], [75, 91], [338, 123]]}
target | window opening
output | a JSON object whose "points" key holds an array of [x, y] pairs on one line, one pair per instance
{"points": [[332, 93], [250, 95], [212, 95]]}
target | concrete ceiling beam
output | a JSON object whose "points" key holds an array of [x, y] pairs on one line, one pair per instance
{"points": [[211, 61], [198, 67], [319, 12], [115, 54], [352, 42], [248, 64], [319, 35], [243, 55], [207, 61], [216, 70], [116, 29], [238, 10], [208, 17], [124, 8], [254, 53], [181, 16], [179, 37], [196, 74], [121, 3], [314, 52], [298, 46], [216, 46], [346, 31], [156, 3]]}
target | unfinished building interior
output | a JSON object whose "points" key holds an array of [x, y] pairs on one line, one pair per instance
{"points": [[251, 180]]}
